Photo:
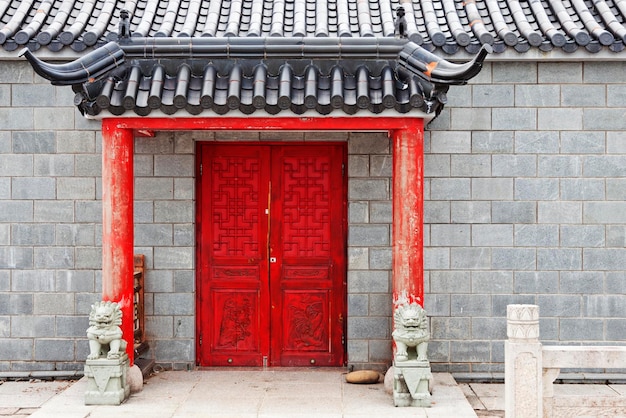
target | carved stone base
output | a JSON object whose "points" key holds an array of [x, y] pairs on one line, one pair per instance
{"points": [[412, 383], [106, 383]]}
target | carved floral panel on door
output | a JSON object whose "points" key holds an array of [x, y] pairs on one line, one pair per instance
{"points": [[307, 317], [237, 315]]}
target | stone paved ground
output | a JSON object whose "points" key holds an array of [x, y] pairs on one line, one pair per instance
{"points": [[23, 398], [269, 394], [20, 399]]}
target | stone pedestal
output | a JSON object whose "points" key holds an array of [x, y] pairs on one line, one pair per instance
{"points": [[411, 383], [107, 384]]}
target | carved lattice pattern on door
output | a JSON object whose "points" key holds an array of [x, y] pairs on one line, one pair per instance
{"points": [[235, 197], [306, 207]]}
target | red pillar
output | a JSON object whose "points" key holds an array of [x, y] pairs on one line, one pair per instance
{"points": [[408, 208], [117, 223]]}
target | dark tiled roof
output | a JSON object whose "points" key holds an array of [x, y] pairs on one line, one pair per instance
{"points": [[250, 74], [222, 92], [446, 25]]}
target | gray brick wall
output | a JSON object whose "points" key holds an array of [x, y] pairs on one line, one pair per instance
{"points": [[524, 203], [369, 250], [164, 214], [44, 295], [545, 223]]}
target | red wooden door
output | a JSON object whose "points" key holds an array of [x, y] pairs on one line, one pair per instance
{"points": [[271, 255]]}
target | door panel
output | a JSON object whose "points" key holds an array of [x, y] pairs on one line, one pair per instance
{"points": [[307, 238], [232, 262], [271, 255]]}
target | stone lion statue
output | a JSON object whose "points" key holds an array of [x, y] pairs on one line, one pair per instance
{"points": [[410, 331], [104, 332]]}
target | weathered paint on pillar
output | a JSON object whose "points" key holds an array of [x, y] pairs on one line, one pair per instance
{"points": [[117, 223], [408, 208]]}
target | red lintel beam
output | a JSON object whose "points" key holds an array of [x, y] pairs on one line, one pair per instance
{"points": [[328, 123]]}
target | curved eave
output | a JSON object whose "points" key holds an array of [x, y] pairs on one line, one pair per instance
{"points": [[172, 75], [171, 87], [408, 55]]}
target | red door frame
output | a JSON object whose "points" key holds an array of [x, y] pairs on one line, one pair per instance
{"points": [[407, 134]]}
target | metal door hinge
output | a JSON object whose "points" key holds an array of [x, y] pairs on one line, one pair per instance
{"points": [[200, 169], [200, 339]]}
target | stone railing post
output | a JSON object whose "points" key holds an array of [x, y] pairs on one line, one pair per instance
{"points": [[523, 366]]}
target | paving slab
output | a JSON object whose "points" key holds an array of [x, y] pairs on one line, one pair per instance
{"points": [[491, 395], [29, 394], [271, 393], [448, 397], [487, 399], [471, 396]]}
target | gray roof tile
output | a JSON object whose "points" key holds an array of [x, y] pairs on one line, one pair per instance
{"points": [[449, 26], [250, 74], [259, 89]]}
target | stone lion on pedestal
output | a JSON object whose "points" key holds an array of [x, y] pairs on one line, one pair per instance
{"points": [[410, 331], [104, 333]]}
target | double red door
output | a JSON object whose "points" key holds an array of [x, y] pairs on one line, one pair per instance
{"points": [[271, 255]]}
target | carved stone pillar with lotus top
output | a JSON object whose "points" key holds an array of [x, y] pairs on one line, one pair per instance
{"points": [[523, 365]]}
